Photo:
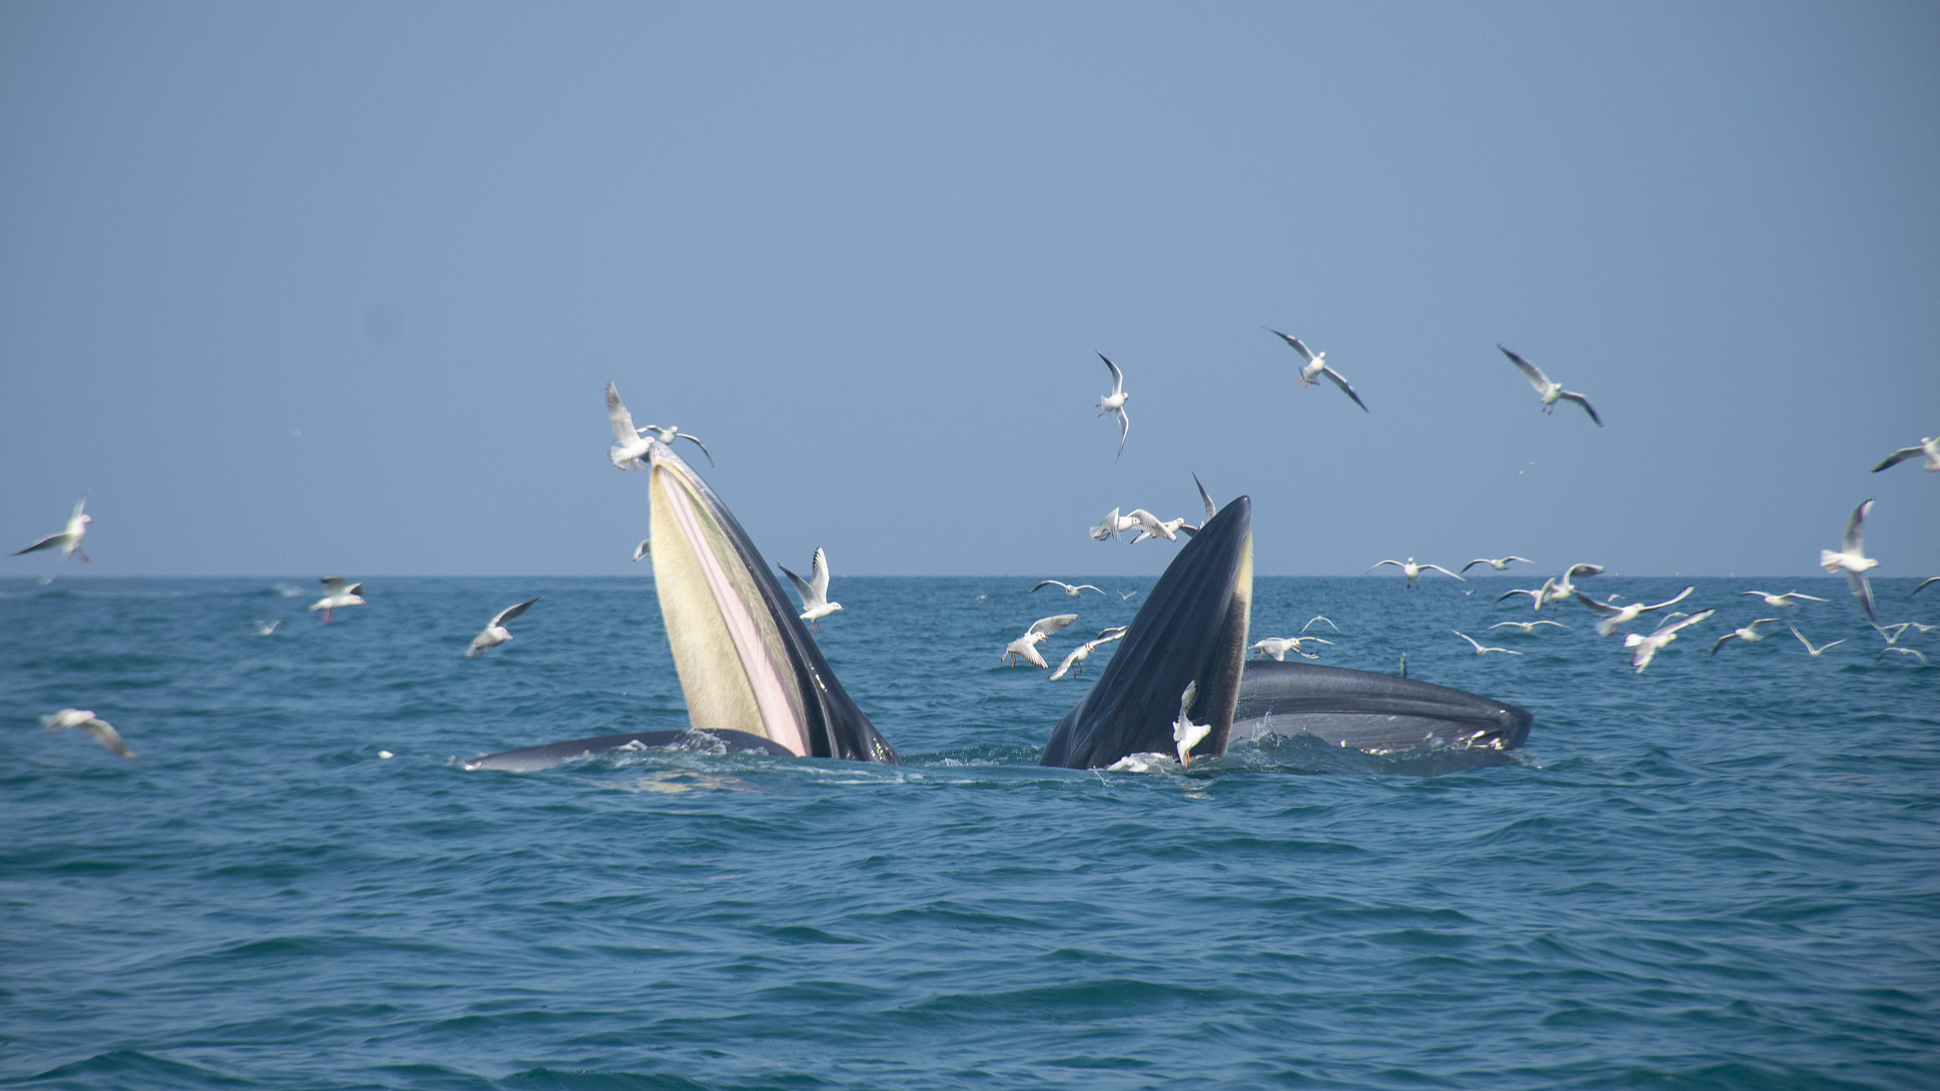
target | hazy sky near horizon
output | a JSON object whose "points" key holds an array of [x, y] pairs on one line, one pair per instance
{"points": [[304, 288]]}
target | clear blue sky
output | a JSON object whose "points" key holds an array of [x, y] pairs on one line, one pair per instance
{"points": [[308, 288]]}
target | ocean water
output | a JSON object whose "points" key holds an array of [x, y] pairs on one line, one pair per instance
{"points": [[1718, 874]]}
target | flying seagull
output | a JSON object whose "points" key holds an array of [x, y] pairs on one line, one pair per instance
{"points": [[1068, 589], [337, 594], [1527, 627], [1185, 733], [1477, 645], [628, 445], [1644, 648], [1809, 649], [814, 590], [1930, 448], [1075, 661], [1750, 634], [1317, 617], [1851, 558], [645, 547], [1114, 402], [1112, 524], [1901, 651], [1279, 646], [69, 540], [1549, 391], [1025, 647], [1500, 564], [1789, 598], [670, 434], [102, 731], [1412, 570], [495, 632], [1316, 365], [1922, 584], [1613, 616]]}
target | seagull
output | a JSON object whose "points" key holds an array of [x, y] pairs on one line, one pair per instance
{"points": [[670, 434], [645, 547], [1750, 634], [495, 632], [102, 731], [1644, 648], [1809, 649], [1114, 402], [1025, 647], [628, 445], [1068, 589], [68, 540], [1852, 558], [1151, 526], [1206, 501], [1550, 391], [1930, 448], [815, 589], [1789, 598], [337, 595], [1316, 364], [1479, 649], [1536, 595], [1185, 733], [1614, 616], [1083, 652], [1527, 627], [1500, 564], [1880, 656], [1412, 570], [1317, 617], [1112, 524], [1279, 646], [1554, 590], [1896, 631], [266, 628], [1923, 583]]}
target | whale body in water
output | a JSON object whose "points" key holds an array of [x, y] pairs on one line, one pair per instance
{"points": [[754, 680]]}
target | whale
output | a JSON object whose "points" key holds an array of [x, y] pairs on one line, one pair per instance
{"points": [[1371, 712]]}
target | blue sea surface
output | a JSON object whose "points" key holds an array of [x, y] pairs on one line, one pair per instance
{"points": [[1722, 873]]}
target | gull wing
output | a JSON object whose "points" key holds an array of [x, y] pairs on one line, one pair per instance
{"points": [[80, 506], [710, 455], [1855, 541], [1862, 589], [1681, 595], [1345, 389], [1052, 624], [802, 586], [1478, 560], [1212, 509], [1443, 571], [1124, 429], [334, 585], [1584, 571], [1572, 396], [1602, 608], [1679, 624], [104, 733], [1050, 583], [48, 542], [1922, 583], [645, 547], [623, 428], [1305, 353], [1117, 376], [1893, 459], [818, 574], [511, 612], [1529, 371], [1476, 643]]}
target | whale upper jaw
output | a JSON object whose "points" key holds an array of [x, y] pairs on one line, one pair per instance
{"points": [[746, 662], [1191, 628]]}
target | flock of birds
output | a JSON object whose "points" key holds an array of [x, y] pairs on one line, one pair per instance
{"points": [[632, 443]]}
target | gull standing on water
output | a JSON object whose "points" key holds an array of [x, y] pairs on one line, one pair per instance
{"points": [[1068, 589], [68, 540], [102, 731], [1083, 652], [1789, 598], [1750, 634], [1185, 733], [1315, 365], [1852, 559], [1477, 645], [1614, 616], [1114, 402], [1500, 564], [814, 590], [337, 594], [1025, 647], [1644, 648], [1809, 649], [1412, 570], [1549, 391], [495, 632], [1930, 448]]}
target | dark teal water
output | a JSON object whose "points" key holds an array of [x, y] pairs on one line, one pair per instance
{"points": [[1719, 874]]}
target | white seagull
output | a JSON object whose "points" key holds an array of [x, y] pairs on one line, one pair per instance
{"points": [[1068, 589], [1185, 733], [645, 547], [1536, 595], [670, 434], [68, 540], [1112, 524], [1500, 564], [1279, 646], [1550, 391], [337, 594], [1930, 448], [1852, 559], [1317, 617], [1477, 645], [1644, 648], [1083, 652], [1809, 649], [1316, 365], [266, 628], [1114, 402], [1750, 634], [1025, 647], [1412, 570], [495, 632], [1151, 526], [1789, 598], [1923, 583], [629, 445], [1610, 617], [1527, 627], [1901, 651], [102, 731], [814, 590]]}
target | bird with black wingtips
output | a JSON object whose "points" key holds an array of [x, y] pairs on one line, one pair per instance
{"points": [[1025, 647], [337, 594], [1114, 403], [1644, 648], [1500, 564], [1750, 634], [68, 541], [1851, 559], [1067, 588], [1928, 448], [100, 730], [814, 590], [495, 632], [1550, 392], [1314, 365]]}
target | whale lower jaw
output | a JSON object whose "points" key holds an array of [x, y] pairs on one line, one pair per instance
{"points": [[1377, 713]]}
